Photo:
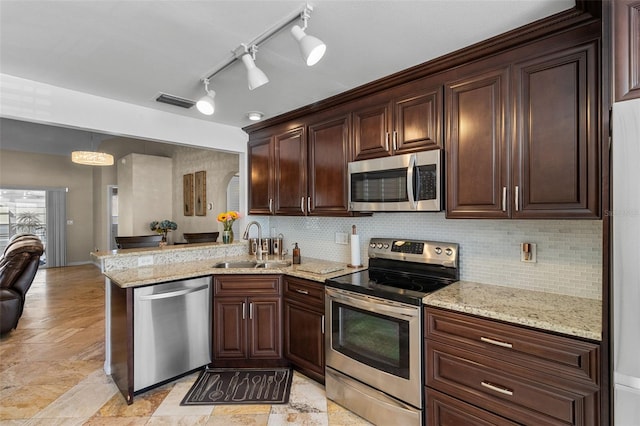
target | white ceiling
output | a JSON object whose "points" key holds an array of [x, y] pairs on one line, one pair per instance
{"points": [[132, 50]]}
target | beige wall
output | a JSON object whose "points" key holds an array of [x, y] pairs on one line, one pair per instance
{"points": [[22, 169], [145, 192], [220, 168]]}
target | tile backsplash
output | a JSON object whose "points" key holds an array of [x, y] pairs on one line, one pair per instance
{"points": [[569, 252]]}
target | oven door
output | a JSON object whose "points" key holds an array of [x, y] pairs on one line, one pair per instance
{"points": [[375, 341]]}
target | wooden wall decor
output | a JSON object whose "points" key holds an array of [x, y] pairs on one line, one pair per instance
{"points": [[201, 193], [187, 193]]}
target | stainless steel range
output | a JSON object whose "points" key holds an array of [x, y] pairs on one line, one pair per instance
{"points": [[374, 333]]}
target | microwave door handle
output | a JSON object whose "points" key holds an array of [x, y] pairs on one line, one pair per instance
{"points": [[410, 171]]}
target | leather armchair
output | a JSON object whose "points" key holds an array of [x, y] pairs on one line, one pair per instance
{"points": [[18, 267]]}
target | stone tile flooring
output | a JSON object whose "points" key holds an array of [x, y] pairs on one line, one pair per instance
{"points": [[51, 371]]}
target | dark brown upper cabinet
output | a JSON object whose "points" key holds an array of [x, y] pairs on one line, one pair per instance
{"points": [[523, 141], [290, 170], [555, 147], [626, 49], [398, 121], [477, 153], [301, 170], [261, 182]]}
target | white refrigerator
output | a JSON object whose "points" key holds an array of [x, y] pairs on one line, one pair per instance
{"points": [[626, 262]]}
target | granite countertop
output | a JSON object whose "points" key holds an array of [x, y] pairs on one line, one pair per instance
{"points": [[310, 269], [574, 316]]}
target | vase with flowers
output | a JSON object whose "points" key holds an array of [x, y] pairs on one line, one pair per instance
{"points": [[227, 219], [163, 227]]}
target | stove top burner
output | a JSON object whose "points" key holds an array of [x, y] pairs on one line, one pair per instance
{"points": [[403, 276]]}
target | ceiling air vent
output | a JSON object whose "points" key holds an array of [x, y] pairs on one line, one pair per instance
{"points": [[175, 101]]}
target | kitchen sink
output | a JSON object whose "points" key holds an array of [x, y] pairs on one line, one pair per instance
{"points": [[237, 264], [273, 264]]}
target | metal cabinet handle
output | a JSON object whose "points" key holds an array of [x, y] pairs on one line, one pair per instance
{"points": [[322, 324], [251, 310], [504, 198], [386, 141], [395, 140], [270, 204], [497, 388], [496, 342], [308, 204], [302, 204], [517, 198], [244, 310], [302, 291]]}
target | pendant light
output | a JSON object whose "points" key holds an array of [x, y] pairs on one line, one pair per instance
{"points": [[92, 158]]}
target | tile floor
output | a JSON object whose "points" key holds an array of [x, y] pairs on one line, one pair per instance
{"points": [[51, 371]]}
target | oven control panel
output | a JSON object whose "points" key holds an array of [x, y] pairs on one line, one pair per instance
{"points": [[431, 252]]}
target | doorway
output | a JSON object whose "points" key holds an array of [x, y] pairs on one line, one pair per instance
{"points": [[41, 212]]}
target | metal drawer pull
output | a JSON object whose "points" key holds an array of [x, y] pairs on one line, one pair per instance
{"points": [[504, 198], [497, 388], [302, 291], [496, 342], [302, 204], [386, 141]]}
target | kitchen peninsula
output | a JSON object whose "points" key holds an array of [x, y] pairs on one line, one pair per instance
{"points": [[261, 286]]}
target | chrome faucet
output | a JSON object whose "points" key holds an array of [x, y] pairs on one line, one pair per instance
{"points": [[245, 236]]}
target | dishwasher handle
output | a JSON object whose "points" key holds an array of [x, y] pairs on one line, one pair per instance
{"points": [[173, 293]]}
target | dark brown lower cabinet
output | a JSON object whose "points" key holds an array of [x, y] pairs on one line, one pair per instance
{"points": [[247, 319], [304, 326], [479, 369]]}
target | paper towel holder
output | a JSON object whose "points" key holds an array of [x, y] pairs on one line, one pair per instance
{"points": [[353, 233]]}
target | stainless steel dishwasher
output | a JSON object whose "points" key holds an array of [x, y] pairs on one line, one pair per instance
{"points": [[172, 330]]}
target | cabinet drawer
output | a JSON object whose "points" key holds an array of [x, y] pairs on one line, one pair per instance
{"points": [[305, 291], [246, 285], [509, 390], [442, 410], [533, 349]]}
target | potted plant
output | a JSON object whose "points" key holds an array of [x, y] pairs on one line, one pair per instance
{"points": [[163, 228]]}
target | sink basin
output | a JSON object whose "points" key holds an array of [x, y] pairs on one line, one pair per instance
{"points": [[272, 264], [237, 264]]}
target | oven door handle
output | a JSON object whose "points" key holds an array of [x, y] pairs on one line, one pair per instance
{"points": [[374, 304]]}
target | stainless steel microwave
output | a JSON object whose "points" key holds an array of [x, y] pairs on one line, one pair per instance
{"points": [[408, 182]]}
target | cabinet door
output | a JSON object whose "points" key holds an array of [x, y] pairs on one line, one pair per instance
{"points": [[260, 163], [418, 122], [477, 162], [265, 325], [371, 131], [626, 49], [555, 153], [229, 328], [304, 337], [328, 158], [290, 172]]}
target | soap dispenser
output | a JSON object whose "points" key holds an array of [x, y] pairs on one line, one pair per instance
{"points": [[296, 254]]}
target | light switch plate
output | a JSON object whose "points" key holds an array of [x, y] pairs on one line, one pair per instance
{"points": [[342, 238]]}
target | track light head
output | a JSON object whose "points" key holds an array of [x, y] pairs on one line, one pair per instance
{"points": [[312, 48], [206, 104], [255, 76]]}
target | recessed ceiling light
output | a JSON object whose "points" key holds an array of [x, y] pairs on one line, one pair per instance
{"points": [[254, 115]]}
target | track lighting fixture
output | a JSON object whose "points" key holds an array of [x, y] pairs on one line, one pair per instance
{"points": [[255, 76], [312, 50], [206, 104]]}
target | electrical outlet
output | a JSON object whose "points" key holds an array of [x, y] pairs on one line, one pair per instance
{"points": [[145, 261], [528, 252], [342, 238]]}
